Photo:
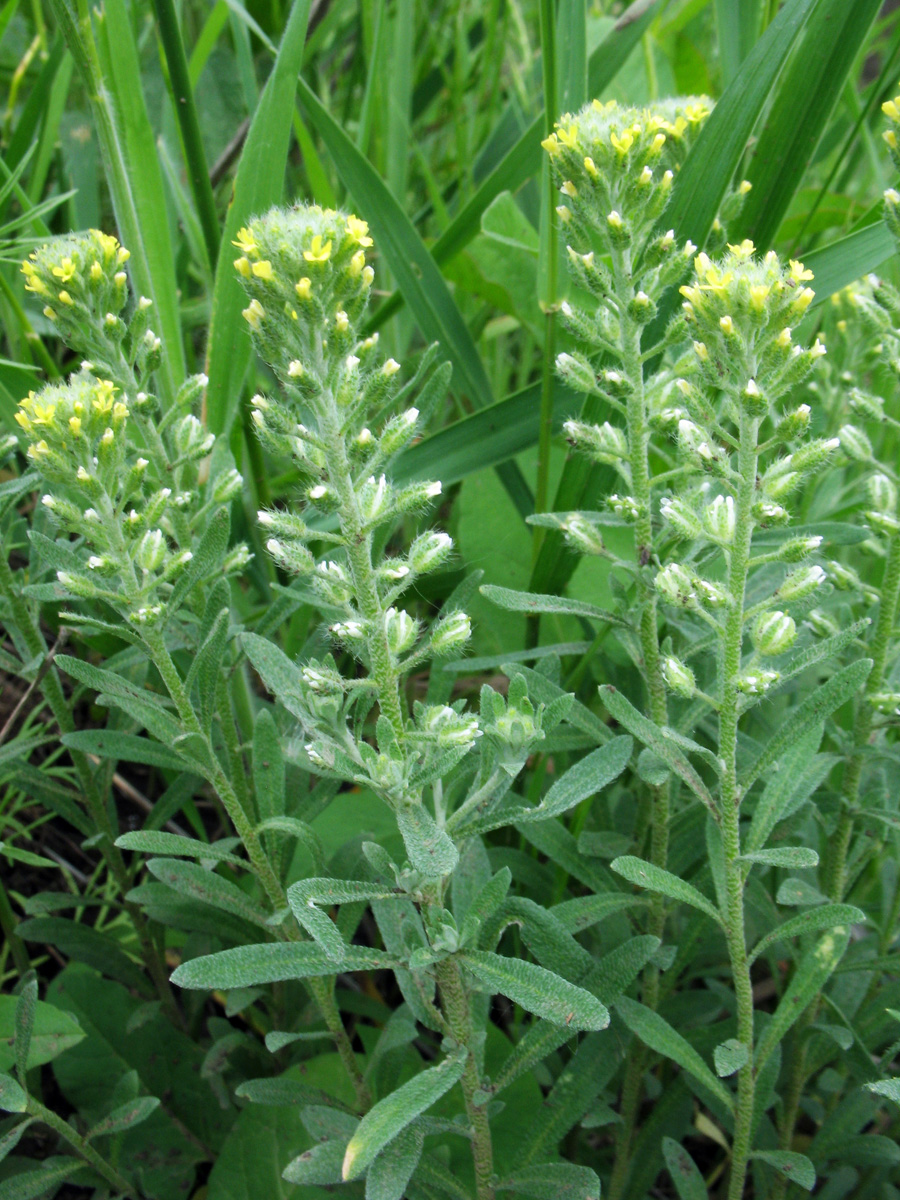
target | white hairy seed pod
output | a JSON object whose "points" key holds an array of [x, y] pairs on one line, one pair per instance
{"points": [[322, 681], [624, 506], [774, 633], [855, 444], [802, 582], [401, 630], [883, 522], [887, 703], [450, 728], [349, 631], [676, 586], [711, 595], [681, 517], [429, 551], [451, 633], [882, 493], [844, 578], [577, 372], [583, 536], [679, 678], [796, 549], [719, 519], [227, 486], [151, 550], [820, 624]]}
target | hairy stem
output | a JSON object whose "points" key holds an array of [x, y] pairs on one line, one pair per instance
{"points": [[81, 1147]]}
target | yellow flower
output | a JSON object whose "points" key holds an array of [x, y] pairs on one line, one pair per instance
{"points": [[23, 420], [253, 314], [65, 298], [798, 273], [701, 351], [744, 249], [108, 244], [784, 339], [569, 188], [65, 271], [319, 250], [622, 144], [568, 137], [727, 325], [75, 426], [890, 109], [551, 144], [359, 231], [357, 262], [34, 283], [246, 242], [242, 266], [263, 270], [304, 288], [96, 272], [591, 168], [758, 296]]}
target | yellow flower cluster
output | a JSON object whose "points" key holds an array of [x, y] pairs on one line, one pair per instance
{"points": [[81, 273], [741, 310], [74, 428], [891, 109], [307, 262], [614, 162]]}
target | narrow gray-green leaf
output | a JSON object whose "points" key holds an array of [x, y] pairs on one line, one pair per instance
{"points": [[309, 896], [26, 1004], [685, 1174], [531, 602], [538, 991], [656, 1032], [12, 1097], [553, 1181], [793, 1166], [393, 1168], [271, 962], [191, 880], [126, 1116], [382, 1123], [784, 856], [730, 1056], [154, 841], [655, 879], [813, 921], [886, 1087], [431, 851]]}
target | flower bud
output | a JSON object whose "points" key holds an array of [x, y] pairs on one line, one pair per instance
{"points": [[399, 432], [882, 493], [719, 520], [801, 583], [451, 633], [887, 703], [151, 550], [796, 549], [191, 439], [236, 559], [676, 586], [794, 424], [78, 585], [679, 678], [822, 625], [883, 522], [349, 631], [844, 578], [374, 498], [227, 486], [855, 444], [583, 536], [322, 679], [757, 683], [681, 517], [625, 507], [641, 309], [774, 633], [577, 372], [449, 728], [401, 630], [429, 551]]}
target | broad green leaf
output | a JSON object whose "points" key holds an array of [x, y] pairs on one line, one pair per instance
{"points": [[321, 1165], [29, 1185], [153, 841], [801, 106], [484, 904], [191, 880], [730, 1056], [393, 1168], [282, 677], [655, 879], [656, 1032], [26, 1005], [798, 763], [528, 602], [12, 1097], [259, 183], [849, 258], [813, 710], [809, 978], [538, 991], [705, 177], [813, 921], [124, 1117], [797, 892], [85, 944], [430, 849], [684, 1171], [309, 896], [209, 552], [587, 1073], [652, 736], [795, 1167], [553, 1181], [271, 962], [52, 1032], [391, 1115], [785, 856], [282, 1091], [737, 26]]}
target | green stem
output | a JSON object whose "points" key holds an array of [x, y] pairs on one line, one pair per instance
{"points": [[639, 462], [456, 1011], [186, 112], [81, 1147], [16, 946], [731, 797]]}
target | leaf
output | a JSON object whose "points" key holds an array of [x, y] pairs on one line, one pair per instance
{"points": [[886, 1087], [191, 880], [795, 1167], [797, 892], [29, 1185], [281, 1092], [786, 856], [431, 850], [153, 841], [12, 1097], [730, 1056], [209, 552], [268, 767], [809, 978], [652, 736], [798, 764], [382, 1123], [849, 258], [801, 106], [655, 879], [125, 747], [530, 602], [817, 919], [321, 1164], [259, 183], [485, 903], [271, 962], [52, 1032], [306, 897], [26, 1004], [656, 1032], [85, 944], [536, 990], [553, 1181], [124, 1117], [393, 1168], [281, 677], [684, 1172], [814, 709]]}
